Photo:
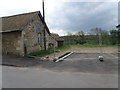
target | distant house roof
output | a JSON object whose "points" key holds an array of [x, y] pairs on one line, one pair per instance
{"points": [[57, 37], [18, 22], [54, 35]]}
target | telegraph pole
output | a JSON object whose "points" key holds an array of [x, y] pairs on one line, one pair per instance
{"points": [[100, 40], [43, 10], [100, 44], [44, 26]]}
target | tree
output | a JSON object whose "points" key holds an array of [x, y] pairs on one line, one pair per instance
{"points": [[114, 36], [80, 39], [105, 37], [69, 34], [94, 31], [80, 33], [94, 36]]}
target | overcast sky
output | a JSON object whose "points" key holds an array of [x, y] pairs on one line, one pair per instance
{"points": [[70, 16]]}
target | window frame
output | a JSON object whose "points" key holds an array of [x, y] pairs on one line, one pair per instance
{"points": [[38, 27]]}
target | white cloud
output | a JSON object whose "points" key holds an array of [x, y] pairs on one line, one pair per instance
{"points": [[59, 31], [11, 7], [91, 0], [61, 18], [62, 32]]}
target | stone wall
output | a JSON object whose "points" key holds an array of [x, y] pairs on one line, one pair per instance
{"points": [[11, 43], [26, 41], [30, 37], [49, 41]]}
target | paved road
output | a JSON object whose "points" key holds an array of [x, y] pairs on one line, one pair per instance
{"points": [[109, 66], [65, 74], [81, 63], [92, 56], [42, 78], [21, 61]]}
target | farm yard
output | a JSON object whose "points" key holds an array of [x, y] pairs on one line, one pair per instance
{"points": [[81, 68], [79, 49], [85, 49], [75, 64]]}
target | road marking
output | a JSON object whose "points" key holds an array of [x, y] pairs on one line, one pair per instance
{"points": [[112, 55], [64, 57], [81, 59], [105, 57], [88, 58]]}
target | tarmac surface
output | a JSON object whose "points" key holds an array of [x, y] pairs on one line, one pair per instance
{"points": [[79, 70], [13, 77], [92, 56], [21, 61], [77, 62]]}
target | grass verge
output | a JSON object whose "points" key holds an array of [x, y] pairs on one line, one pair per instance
{"points": [[50, 51], [92, 46], [47, 52]]}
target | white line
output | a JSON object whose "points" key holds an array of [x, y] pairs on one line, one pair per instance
{"points": [[88, 59], [112, 55], [64, 57], [81, 59]]}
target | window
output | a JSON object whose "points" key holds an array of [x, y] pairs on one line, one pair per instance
{"points": [[37, 27], [39, 40]]}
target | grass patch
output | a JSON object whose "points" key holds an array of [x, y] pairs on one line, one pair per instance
{"points": [[47, 52], [41, 53], [92, 46], [50, 51], [63, 48]]}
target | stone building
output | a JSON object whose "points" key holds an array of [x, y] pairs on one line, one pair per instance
{"points": [[25, 33], [60, 41]]}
